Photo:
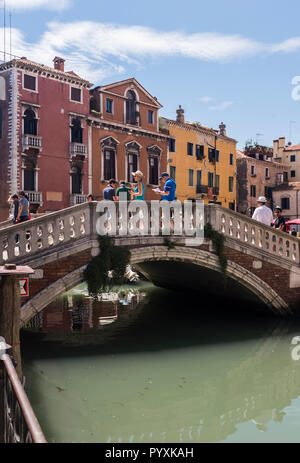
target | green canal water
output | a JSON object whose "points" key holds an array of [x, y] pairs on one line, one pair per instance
{"points": [[162, 367]]}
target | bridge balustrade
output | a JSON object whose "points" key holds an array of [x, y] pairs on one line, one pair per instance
{"points": [[62, 228]]}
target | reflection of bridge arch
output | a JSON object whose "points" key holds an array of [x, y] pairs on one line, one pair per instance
{"points": [[197, 257]]}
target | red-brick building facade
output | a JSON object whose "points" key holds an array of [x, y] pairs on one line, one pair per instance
{"points": [[44, 134], [126, 136]]}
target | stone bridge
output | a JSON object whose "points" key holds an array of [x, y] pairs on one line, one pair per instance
{"points": [[263, 264]]}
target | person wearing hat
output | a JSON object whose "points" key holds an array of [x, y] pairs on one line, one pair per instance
{"points": [[263, 213], [279, 222], [139, 190], [168, 193]]}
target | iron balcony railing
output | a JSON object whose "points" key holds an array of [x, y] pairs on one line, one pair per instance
{"points": [[20, 424], [206, 189]]}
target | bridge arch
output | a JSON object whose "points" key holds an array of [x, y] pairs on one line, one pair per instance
{"points": [[262, 290]]}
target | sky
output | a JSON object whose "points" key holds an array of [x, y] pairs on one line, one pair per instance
{"points": [[234, 62]]}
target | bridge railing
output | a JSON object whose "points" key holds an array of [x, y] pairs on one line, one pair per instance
{"points": [[247, 231], [20, 424], [44, 233], [62, 228]]}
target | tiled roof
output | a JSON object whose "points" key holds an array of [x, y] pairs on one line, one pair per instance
{"points": [[292, 148]]}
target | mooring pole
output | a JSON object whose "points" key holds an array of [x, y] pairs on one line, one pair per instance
{"points": [[10, 306]]}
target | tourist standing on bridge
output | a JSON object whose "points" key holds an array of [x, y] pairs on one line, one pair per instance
{"points": [[109, 193], [14, 200], [139, 190], [168, 193], [279, 222], [23, 212], [263, 213]]}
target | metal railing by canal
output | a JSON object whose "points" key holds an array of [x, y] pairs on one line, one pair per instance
{"points": [[18, 423]]}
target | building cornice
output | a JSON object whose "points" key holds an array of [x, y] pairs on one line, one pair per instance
{"points": [[198, 128], [130, 129], [45, 71]]}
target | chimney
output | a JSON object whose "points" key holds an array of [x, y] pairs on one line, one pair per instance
{"points": [[289, 143], [222, 128], [59, 63], [180, 114]]}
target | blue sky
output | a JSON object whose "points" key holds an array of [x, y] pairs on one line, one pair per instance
{"points": [[227, 61]]}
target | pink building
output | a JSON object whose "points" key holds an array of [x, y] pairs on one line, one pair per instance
{"points": [[43, 134]]}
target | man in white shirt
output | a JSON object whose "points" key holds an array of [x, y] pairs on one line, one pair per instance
{"points": [[263, 213]]}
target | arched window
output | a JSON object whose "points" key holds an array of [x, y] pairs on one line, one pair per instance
{"points": [[109, 152], [131, 107], [76, 131], [133, 153], [154, 153], [30, 122], [76, 181]]}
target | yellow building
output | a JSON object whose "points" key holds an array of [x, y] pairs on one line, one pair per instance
{"points": [[202, 161]]}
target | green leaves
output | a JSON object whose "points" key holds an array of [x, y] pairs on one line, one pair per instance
{"points": [[218, 240]]}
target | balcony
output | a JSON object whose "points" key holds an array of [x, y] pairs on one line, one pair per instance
{"points": [[204, 189], [34, 197], [78, 149], [32, 141], [77, 199]]}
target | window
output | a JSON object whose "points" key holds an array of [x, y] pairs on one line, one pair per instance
{"points": [[213, 155], [153, 170], [132, 165], [199, 152], [230, 184], [76, 94], [267, 173], [76, 181], [172, 145], [293, 173], [285, 176], [231, 159], [30, 122], [109, 164], [150, 117], [253, 191], [109, 105], [252, 170], [199, 177], [210, 179], [29, 176], [131, 113], [293, 158], [190, 149], [285, 203], [217, 182], [76, 131], [173, 173], [191, 177], [29, 82]]}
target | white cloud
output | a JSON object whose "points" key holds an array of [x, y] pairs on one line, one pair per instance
{"points": [[205, 99], [97, 51], [37, 4], [221, 106]]}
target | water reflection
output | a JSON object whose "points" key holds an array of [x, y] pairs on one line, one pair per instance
{"points": [[171, 369]]}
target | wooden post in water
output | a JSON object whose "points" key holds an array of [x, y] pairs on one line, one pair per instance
{"points": [[10, 306]]}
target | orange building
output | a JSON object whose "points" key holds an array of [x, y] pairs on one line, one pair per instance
{"points": [[125, 136]]}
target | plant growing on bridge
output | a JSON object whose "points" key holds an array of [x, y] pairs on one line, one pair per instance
{"points": [[107, 268], [168, 243], [218, 240]]}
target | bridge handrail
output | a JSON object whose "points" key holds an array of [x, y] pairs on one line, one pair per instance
{"points": [[56, 229], [20, 423], [250, 232]]}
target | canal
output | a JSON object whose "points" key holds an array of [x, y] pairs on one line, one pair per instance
{"points": [[151, 365]]}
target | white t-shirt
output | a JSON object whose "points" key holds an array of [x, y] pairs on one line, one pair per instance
{"points": [[263, 214]]}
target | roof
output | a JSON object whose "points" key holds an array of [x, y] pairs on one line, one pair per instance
{"points": [[131, 80], [292, 148], [26, 63], [197, 126]]}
